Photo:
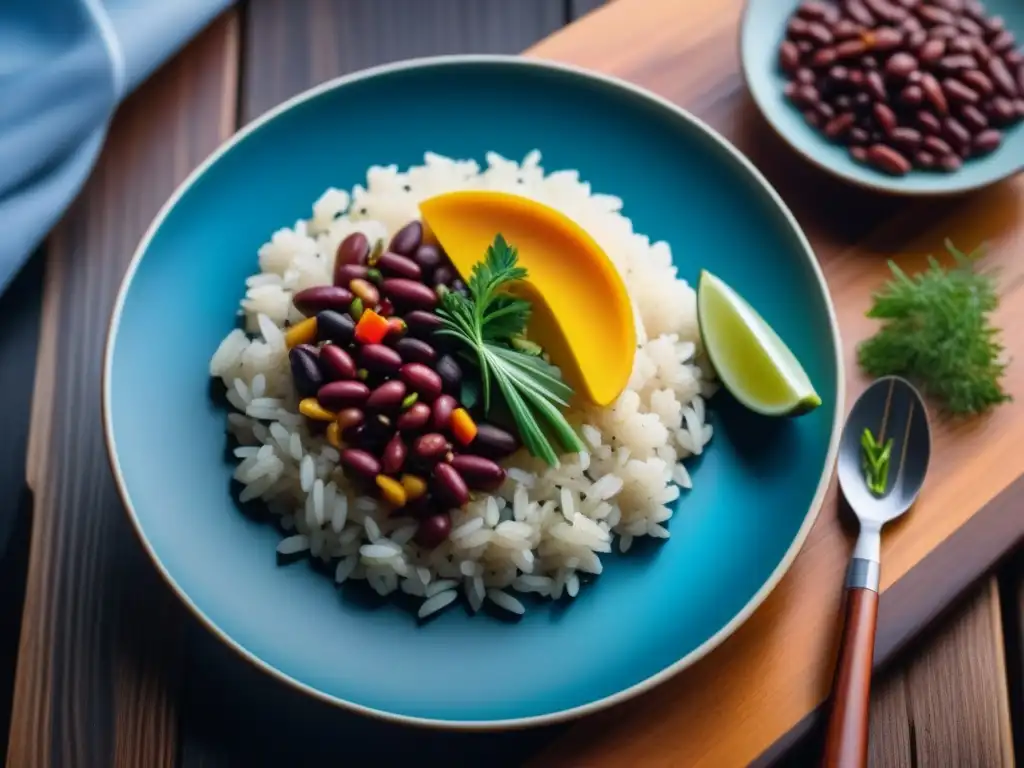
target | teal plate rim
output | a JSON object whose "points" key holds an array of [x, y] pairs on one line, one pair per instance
{"points": [[571, 713]]}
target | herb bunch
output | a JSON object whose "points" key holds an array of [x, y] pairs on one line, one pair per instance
{"points": [[936, 331], [491, 325]]}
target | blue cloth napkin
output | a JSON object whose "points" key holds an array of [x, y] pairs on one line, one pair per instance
{"points": [[65, 65]]}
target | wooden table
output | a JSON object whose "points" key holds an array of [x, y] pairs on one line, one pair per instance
{"points": [[111, 669]]}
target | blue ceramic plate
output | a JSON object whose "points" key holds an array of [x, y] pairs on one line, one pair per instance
{"points": [[762, 30], [653, 611]]}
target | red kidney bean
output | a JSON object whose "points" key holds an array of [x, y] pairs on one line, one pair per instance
{"points": [[414, 419], [963, 45], [837, 127], [350, 417], [409, 294], [845, 29], [979, 81], [804, 76], [885, 117], [479, 473], [944, 32], [824, 110], [441, 412], [887, 39], [859, 154], [950, 163], [970, 26], [932, 51], [445, 273], [900, 65], [796, 28], [451, 374], [887, 160], [912, 95], [336, 395], [400, 266], [929, 14], [857, 11], [306, 374], [987, 141], [386, 397], [379, 358], [407, 239], [973, 117], [886, 11], [354, 249], [321, 297], [844, 51], [933, 93], [449, 485], [955, 132], [812, 10], [875, 85], [906, 138], [805, 47], [1002, 42], [928, 122], [1020, 77], [415, 350], [937, 146], [433, 530], [422, 380], [924, 159], [858, 135], [1001, 110], [430, 447], [957, 92], [493, 442], [346, 273], [1002, 78], [334, 326], [393, 456], [819, 33], [1019, 107], [360, 462], [1014, 59], [422, 323], [429, 256], [336, 363], [958, 63]]}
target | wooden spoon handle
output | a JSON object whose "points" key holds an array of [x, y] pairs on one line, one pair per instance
{"points": [[846, 742]]}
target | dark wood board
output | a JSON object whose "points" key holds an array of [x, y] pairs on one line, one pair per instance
{"points": [[100, 634], [291, 45]]}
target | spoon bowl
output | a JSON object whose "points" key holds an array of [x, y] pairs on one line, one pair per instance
{"points": [[890, 407]]}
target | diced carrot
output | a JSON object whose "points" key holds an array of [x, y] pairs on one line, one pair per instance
{"points": [[463, 426], [371, 328]]}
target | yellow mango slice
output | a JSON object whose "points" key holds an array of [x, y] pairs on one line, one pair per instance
{"points": [[581, 311]]}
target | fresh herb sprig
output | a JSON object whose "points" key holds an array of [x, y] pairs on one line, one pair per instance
{"points": [[491, 326], [876, 460], [936, 331]]}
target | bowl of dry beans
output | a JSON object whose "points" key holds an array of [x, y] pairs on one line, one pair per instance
{"points": [[914, 97]]}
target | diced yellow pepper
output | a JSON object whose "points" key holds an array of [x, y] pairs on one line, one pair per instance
{"points": [[334, 434], [463, 426], [301, 333], [311, 409], [414, 486], [391, 490]]}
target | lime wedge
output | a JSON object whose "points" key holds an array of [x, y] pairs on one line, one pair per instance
{"points": [[751, 361]]}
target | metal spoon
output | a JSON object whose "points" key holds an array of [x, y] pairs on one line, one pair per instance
{"points": [[891, 408]]}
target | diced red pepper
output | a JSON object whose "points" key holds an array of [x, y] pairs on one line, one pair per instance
{"points": [[371, 328]]}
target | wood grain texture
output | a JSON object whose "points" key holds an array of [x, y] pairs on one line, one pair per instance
{"points": [[787, 648], [97, 655], [846, 738], [291, 45], [1012, 596]]}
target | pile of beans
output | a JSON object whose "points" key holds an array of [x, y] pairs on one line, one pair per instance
{"points": [[905, 84], [388, 401]]}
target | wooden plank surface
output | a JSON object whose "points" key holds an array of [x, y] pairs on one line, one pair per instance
{"points": [[96, 675], [777, 667]]}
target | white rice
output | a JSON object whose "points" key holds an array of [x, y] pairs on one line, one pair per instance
{"points": [[545, 527]]}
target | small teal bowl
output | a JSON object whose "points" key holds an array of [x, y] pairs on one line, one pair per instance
{"points": [[652, 612], [763, 28]]}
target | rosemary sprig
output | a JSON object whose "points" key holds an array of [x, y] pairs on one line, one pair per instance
{"points": [[875, 462], [490, 325], [936, 331]]}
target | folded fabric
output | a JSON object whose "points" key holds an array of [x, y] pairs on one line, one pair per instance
{"points": [[65, 65]]}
